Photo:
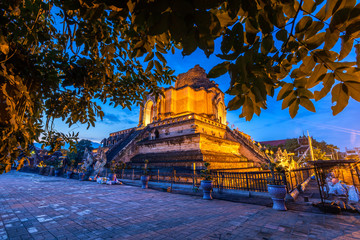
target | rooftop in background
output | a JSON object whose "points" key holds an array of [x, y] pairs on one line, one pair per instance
{"points": [[274, 143], [331, 163]]}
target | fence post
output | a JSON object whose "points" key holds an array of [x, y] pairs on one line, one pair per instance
{"points": [[122, 174], [247, 181], [172, 180], [222, 181], [133, 172], [194, 172], [158, 175], [283, 176]]}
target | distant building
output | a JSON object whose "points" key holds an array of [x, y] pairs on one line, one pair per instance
{"points": [[274, 143], [303, 142], [352, 153], [186, 125]]}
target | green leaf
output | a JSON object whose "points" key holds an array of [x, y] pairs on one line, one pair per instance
{"points": [[265, 25], [339, 18], [301, 53], [161, 58], [354, 90], [340, 96], [178, 28], [219, 70], [357, 51], [321, 13], [150, 66], [289, 9], [315, 41], [314, 79], [282, 35], [224, 19], [235, 103], [288, 100], [286, 89], [267, 44], [189, 45], [346, 76], [247, 109], [303, 92], [339, 65], [158, 66], [234, 7], [161, 26], [160, 48], [139, 44], [307, 65], [4, 46], [251, 31], [337, 6], [238, 36], [308, 6], [346, 46], [303, 24], [323, 56], [276, 16], [355, 12], [227, 41], [306, 103], [297, 73], [353, 29], [331, 38], [149, 56], [250, 26], [313, 29], [294, 107], [8, 168]]}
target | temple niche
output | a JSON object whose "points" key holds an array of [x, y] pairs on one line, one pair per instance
{"points": [[185, 125]]}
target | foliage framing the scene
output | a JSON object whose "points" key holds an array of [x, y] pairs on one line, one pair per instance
{"points": [[59, 58]]}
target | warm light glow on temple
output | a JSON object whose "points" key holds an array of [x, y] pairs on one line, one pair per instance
{"points": [[193, 93], [186, 125]]}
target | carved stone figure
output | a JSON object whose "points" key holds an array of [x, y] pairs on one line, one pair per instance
{"points": [[88, 159], [100, 163]]}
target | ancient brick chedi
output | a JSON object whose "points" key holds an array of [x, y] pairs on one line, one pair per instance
{"points": [[187, 125]]}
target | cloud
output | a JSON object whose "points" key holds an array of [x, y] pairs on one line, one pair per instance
{"points": [[110, 119], [353, 138]]}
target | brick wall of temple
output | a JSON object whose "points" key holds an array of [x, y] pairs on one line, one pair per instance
{"points": [[180, 143], [216, 144]]}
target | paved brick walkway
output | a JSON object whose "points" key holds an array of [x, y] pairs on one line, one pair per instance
{"points": [[38, 207]]}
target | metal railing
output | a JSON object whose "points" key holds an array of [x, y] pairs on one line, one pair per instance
{"points": [[248, 181], [296, 177], [171, 175]]}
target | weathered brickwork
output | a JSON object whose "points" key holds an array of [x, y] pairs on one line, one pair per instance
{"points": [[186, 125]]}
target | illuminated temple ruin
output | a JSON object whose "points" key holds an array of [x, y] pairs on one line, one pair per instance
{"points": [[187, 125]]}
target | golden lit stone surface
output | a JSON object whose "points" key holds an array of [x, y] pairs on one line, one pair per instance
{"points": [[186, 125]]}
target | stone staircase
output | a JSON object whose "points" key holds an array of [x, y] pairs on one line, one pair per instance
{"points": [[248, 144], [117, 148]]}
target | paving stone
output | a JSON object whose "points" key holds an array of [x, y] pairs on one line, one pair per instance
{"points": [[38, 207]]}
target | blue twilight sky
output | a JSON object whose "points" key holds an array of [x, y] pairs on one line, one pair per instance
{"points": [[342, 130]]}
